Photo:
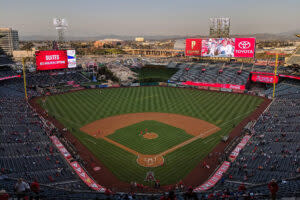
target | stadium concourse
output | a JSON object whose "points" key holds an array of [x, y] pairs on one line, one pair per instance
{"points": [[26, 150]]}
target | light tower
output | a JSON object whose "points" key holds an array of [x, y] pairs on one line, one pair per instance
{"points": [[219, 27], [60, 25]]}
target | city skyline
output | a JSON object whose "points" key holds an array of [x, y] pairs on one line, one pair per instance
{"points": [[133, 18]]}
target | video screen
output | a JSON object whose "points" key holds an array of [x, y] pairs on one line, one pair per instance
{"points": [[218, 47], [56, 59]]}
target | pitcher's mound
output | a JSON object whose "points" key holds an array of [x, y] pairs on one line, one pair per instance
{"points": [[150, 135]]}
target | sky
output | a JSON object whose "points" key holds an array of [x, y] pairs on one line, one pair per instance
{"points": [[148, 17]]}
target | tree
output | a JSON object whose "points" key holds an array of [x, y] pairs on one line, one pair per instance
{"points": [[27, 46]]}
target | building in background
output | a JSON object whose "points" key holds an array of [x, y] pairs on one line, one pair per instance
{"points": [[9, 40], [139, 39], [19, 54], [179, 44], [219, 27], [110, 42]]}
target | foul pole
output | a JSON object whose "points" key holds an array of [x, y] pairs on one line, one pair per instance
{"points": [[275, 69], [275, 72], [24, 78]]}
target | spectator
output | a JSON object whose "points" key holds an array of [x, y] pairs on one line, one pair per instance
{"points": [[21, 188], [35, 188], [242, 188], [190, 194], [171, 195], [163, 196], [3, 195], [273, 187]]}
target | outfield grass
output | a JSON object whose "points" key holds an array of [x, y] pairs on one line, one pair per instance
{"points": [[77, 109], [168, 136]]}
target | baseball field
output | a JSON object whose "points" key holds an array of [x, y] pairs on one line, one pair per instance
{"points": [[136, 130]]}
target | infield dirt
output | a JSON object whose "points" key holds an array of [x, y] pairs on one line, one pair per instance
{"points": [[196, 127], [109, 125]]}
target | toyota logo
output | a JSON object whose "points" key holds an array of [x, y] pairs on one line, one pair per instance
{"points": [[244, 44]]}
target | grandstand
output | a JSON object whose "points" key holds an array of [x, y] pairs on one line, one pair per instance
{"points": [[212, 73], [295, 58], [27, 151], [46, 79]]}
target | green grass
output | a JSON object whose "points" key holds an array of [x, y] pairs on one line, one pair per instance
{"points": [[152, 74], [168, 136], [77, 109]]}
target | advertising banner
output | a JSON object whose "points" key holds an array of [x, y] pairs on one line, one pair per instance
{"points": [[226, 90], [71, 58], [238, 91], [48, 60], [193, 47], [60, 147], [172, 85], [218, 85], [264, 78], [214, 88], [135, 84], [220, 47], [244, 47], [288, 76], [203, 87], [83, 175], [9, 77], [239, 147], [214, 179]]}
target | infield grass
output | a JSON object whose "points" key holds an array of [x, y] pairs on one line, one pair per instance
{"points": [[77, 109], [168, 136]]}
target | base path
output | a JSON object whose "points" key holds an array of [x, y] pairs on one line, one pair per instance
{"points": [[196, 127], [109, 125]]}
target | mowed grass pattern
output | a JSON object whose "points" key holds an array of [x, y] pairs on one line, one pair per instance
{"points": [[77, 109], [168, 136]]}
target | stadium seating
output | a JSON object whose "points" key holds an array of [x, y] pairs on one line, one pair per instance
{"points": [[45, 79], [209, 73], [272, 152], [25, 148]]}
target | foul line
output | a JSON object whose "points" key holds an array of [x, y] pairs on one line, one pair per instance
{"points": [[174, 147]]}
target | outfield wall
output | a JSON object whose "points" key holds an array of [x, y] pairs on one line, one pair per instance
{"points": [[187, 84]]}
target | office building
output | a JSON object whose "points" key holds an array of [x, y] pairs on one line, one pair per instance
{"points": [[9, 40]]}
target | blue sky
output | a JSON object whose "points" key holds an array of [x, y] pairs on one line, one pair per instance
{"points": [[151, 17]]}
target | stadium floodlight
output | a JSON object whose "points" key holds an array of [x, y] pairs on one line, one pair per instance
{"points": [[219, 27], [60, 25]]}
